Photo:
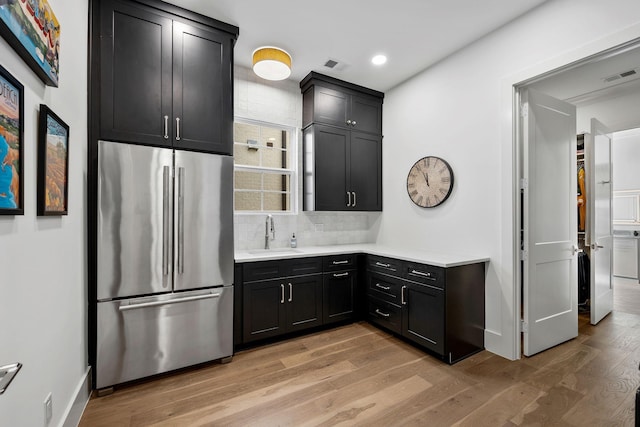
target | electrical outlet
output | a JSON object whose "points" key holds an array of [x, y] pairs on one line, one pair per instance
{"points": [[319, 227], [48, 409]]}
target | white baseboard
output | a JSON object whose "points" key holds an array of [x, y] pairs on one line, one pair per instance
{"points": [[76, 408]]}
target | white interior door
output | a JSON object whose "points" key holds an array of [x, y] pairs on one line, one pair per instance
{"points": [[550, 284], [599, 235]]}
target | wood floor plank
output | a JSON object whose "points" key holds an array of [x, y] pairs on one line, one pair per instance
{"points": [[549, 408], [360, 375], [365, 409], [503, 406]]}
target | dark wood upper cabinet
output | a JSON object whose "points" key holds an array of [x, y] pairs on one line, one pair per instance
{"points": [[337, 103], [343, 145], [165, 80]]}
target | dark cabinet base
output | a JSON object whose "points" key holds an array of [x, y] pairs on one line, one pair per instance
{"points": [[440, 310]]}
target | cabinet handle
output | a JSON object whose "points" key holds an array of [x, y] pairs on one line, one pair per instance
{"points": [[349, 199], [381, 313], [420, 273], [386, 288], [346, 261], [404, 302], [353, 123], [177, 128], [166, 127], [290, 292], [341, 274], [282, 293], [379, 264], [349, 122], [354, 198]]}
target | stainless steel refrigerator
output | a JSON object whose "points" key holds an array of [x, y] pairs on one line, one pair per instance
{"points": [[165, 260]]}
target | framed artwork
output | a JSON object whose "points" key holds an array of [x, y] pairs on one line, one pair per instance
{"points": [[53, 163], [11, 144], [32, 30]]}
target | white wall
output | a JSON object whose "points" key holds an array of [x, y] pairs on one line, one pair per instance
{"points": [[617, 112], [461, 110], [281, 103], [625, 155], [43, 297]]}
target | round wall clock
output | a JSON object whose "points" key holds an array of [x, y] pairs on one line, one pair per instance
{"points": [[429, 182]]}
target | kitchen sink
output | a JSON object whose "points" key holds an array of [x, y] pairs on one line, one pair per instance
{"points": [[275, 251]]}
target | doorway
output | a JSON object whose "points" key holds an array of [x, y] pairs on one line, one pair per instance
{"points": [[600, 86]]}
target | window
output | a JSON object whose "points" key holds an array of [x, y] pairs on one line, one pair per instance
{"points": [[265, 167]]}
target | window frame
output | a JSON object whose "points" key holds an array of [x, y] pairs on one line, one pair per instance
{"points": [[291, 172]]}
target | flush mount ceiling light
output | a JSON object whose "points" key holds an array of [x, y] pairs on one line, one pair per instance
{"points": [[271, 63], [379, 59]]}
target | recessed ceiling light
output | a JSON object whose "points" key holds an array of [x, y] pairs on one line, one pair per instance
{"points": [[379, 59]]}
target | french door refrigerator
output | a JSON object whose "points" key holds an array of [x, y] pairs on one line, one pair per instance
{"points": [[164, 260]]}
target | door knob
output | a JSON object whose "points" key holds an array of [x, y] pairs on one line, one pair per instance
{"points": [[596, 246]]}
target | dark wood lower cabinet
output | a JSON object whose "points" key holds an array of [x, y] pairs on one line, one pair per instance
{"points": [[303, 302], [263, 310], [275, 307], [339, 289], [439, 309], [423, 316]]}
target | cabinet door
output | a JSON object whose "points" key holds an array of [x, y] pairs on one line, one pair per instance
{"points": [[135, 74], [304, 302], [263, 309], [423, 316], [365, 173], [338, 296], [331, 107], [330, 168], [202, 85], [367, 114]]}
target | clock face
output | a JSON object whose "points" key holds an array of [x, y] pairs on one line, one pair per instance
{"points": [[430, 182]]}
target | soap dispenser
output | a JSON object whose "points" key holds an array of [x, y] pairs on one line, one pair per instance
{"points": [[294, 241]]}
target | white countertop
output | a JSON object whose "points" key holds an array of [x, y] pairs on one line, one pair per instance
{"points": [[438, 259]]}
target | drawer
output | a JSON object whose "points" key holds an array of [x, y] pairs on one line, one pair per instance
{"points": [[384, 314], [384, 265], [267, 270], [339, 262], [384, 287], [303, 266], [423, 273], [263, 270]]}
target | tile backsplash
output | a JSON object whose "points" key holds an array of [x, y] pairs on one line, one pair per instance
{"points": [[311, 229]]}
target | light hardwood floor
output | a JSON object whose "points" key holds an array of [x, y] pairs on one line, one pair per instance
{"points": [[360, 375]]}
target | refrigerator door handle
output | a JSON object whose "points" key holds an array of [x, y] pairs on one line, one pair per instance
{"points": [[166, 302], [180, 220], [165, 219]]}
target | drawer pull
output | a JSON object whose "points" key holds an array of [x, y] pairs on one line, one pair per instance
{"points": [[346, 261], [420, 273], [341, 274], [386, 288], [381, 313], [379, 264]]}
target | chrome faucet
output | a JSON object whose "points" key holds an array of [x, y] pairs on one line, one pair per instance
{"points": [[269, 227]]}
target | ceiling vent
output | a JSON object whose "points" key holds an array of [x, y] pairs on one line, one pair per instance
{"points": [[330, 63], [622, 75], [335, 64]]}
